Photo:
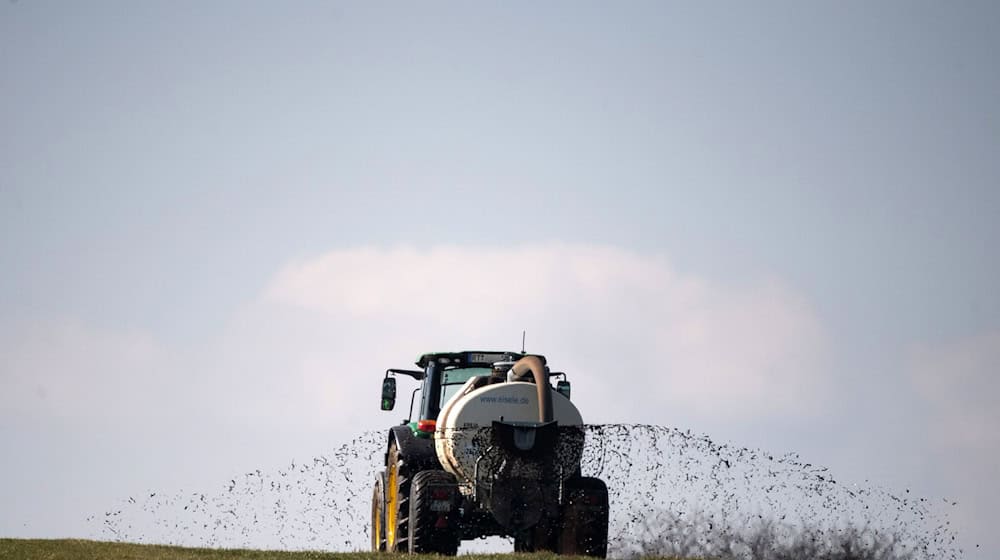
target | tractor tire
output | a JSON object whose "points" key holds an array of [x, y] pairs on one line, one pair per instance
{"points": [[397, 501], [522, 543], [584, 528], [378, 514], [433, 532], [540, 538]]}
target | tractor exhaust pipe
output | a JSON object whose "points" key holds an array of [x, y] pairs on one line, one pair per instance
{"points": [[534, 366]]}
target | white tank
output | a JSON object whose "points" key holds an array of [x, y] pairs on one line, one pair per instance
{"points": [[464, 427]]}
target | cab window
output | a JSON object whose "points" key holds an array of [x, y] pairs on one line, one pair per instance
{"points": [[454, 379]]}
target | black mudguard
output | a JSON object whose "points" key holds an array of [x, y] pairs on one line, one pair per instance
{"points": [[419, 452]]}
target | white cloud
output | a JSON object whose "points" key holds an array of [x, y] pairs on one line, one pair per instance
{"points": [[619, 320], [641, 341]]}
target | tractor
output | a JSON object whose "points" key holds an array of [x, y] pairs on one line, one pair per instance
{"points": [[495, 450]]}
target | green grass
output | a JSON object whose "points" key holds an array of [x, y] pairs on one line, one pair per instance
{"points": [[71, 549]]}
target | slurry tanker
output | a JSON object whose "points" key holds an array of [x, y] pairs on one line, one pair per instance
{"points": [[495, 449]]}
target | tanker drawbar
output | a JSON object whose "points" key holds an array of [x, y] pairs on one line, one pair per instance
{"points": [[495, 450]]}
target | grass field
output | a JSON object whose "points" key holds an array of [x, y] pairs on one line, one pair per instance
{"points": [[70, 549]]}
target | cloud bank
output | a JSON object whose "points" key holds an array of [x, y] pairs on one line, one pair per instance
{"points": [[620, 319], [643, 341]]}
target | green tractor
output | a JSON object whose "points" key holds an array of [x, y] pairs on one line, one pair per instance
{"points": [[494, 450]]}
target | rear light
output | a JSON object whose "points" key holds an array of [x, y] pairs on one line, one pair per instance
{"points": [[426, 425], [440, 493]]}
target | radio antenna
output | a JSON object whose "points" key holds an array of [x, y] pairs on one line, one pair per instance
{"points": [[523, 334]]}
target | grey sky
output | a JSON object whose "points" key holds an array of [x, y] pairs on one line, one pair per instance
{"points": [[161, 164]]}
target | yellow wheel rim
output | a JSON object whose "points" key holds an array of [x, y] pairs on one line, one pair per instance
{"points": [[391, 507], [377, 528]]}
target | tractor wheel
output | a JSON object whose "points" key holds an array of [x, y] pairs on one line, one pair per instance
{"points": [[378, 514], [433, 530], [585, 518], [522, 543], [397, 501], [541, 537]]}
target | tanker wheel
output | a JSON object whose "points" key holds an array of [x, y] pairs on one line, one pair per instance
{"points": [[584, 528], [430, 531], [378, 514], [397, 501]]}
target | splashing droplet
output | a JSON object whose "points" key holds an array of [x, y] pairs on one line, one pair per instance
{"points": [[672, 493]]}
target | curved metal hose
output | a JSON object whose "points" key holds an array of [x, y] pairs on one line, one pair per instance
{"points": [[534, 366]]}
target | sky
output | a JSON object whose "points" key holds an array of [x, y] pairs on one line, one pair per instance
{"points": [[775, 223]]}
